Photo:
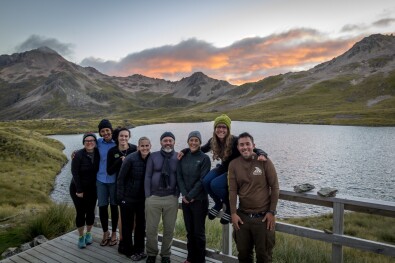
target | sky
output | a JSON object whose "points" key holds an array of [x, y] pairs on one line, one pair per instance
{"points": [[237, 41]]}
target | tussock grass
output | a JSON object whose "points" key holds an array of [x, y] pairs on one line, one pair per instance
{"points": [[50, 221], [293, 249], [58, 219], [30, 163]]}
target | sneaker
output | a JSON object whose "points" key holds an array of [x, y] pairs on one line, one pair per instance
{"points": [[151, 259], [138, 256], [88, 238], [225, 219], [81, 242], [213, 212], [165, 260]]}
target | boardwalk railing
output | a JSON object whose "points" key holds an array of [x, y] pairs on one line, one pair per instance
{"points": [[337, 238]]}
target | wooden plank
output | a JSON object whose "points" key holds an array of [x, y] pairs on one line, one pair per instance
{"points": [[100, 254], [94, 253], [338, 228], [356, 204], [51, 252]]}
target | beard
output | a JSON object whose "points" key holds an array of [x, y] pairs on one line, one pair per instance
{"points": [[167, 149]]}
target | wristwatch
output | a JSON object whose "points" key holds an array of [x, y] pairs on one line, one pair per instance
{"points": [[273, 212]]}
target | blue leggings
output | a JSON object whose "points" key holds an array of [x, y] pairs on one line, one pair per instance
{"points": [[216, 185]]}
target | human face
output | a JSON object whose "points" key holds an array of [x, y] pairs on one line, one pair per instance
{"points": [[167, 144], [123, 138], [89, 143], [221, 130], [144, 147], [245, 147], [106, 133], [194, 144]]}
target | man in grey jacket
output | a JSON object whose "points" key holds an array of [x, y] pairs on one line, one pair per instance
{"points": [[161, 194]]}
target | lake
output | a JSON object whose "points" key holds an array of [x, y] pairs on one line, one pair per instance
{"points": [[358, 161]]}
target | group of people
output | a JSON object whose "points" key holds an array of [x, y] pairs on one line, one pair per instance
{"points": [[146, 187]]}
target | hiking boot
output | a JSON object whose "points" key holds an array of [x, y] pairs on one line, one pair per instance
{"points": [[81, 242], [88, 238], [151, 259], [138, 256]]}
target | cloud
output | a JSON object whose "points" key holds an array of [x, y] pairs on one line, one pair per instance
{"points": [[351, 27], [246, 60], [384, 22], [36, 41]]}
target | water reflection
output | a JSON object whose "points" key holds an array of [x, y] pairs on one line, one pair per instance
{"points": [[358, 161]]}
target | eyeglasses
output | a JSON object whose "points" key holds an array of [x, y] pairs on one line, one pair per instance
{"points": [[89, 141], [221, 127]]}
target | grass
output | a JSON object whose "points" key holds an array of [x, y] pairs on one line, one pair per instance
{"points": [[50, 221], [293, 249], [29, 165]]}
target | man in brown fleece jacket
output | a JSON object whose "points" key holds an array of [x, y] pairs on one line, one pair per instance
{"points": [[256, 184]]}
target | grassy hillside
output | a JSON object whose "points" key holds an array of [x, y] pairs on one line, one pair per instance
{"points": [[334, 101], [29, 165]]}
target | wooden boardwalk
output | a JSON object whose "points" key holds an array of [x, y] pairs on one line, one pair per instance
{"points": [[64, 249]]}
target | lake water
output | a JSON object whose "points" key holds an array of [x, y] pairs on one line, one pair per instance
{"points": [[358, 161]]}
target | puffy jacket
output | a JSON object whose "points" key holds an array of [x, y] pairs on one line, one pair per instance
{"points": [[130, 182]]}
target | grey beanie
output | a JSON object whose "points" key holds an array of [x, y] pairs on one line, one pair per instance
{"points": [[167, 134], [195, 134]]}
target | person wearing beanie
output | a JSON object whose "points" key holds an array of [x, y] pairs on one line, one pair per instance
{"points": [[84, 167], [224, 148], [104, 123], [191, 170], [161, 192], [106, 185]]}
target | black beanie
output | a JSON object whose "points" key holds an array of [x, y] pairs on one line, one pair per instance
{"points": [[104, 123], [87, 135], [167, 134]]}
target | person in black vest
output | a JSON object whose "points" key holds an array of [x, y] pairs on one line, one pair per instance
{"points": [[131, 195], [84, 167], [190, 173]]}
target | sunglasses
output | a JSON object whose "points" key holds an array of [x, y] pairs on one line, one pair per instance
{"points": [[89, 141]]}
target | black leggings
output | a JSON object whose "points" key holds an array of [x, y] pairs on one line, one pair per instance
{"points": [[103, 213], [85, 206]]}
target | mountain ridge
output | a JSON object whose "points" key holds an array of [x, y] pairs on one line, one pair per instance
{"points": [[42, 84]]}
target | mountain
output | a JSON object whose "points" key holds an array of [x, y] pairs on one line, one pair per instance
{"points": [[355, 87], [42, 84]]}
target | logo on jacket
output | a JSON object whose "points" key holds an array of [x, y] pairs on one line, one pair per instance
{"points": [[257, 171]]}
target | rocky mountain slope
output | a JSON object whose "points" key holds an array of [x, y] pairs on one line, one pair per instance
{"points": [[41, 84]]}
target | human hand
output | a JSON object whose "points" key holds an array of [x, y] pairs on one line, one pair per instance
{"points": [[270, 221], [73, 154], [180, 155], [80, 195], [262, 158], [236, 220], [184, 200]]}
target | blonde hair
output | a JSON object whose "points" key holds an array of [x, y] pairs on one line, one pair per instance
{"points": [[222, 151], [143, 139]]}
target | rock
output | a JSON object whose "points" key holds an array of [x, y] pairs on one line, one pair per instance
{"points": [[38, 240], [327, 192], [9, 252], [301, 188], [23, 247]]}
